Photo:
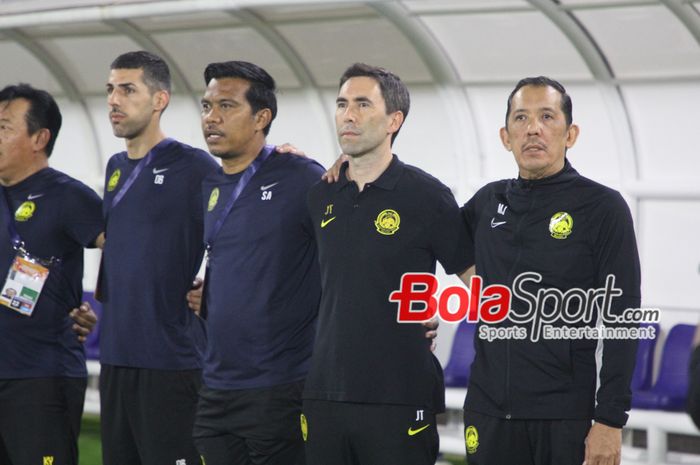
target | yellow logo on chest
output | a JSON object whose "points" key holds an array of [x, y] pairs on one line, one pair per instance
{"points": [[387, 222], [114, 180], [560, 225], [213, 199], [25, 211]]}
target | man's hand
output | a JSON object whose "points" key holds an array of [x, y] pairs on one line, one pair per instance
{"points": [[333, 173], [85, 320], [431, 332], [289, 148], [100, 241], [696, 338], [467, 274], [603, 445], [194, 296]]}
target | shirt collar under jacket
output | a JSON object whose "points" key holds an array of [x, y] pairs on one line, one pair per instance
{"points": [[387, 180]]}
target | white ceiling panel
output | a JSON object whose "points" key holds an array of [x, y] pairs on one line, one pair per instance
{"points": [[645, 41], [329, 48], [194, 50], [664, 121], [74, 29], [432, 6], [87, 59], [506, 47], [313, 12], [25, 68], [602, 3], [203, 20], [21, 6]]}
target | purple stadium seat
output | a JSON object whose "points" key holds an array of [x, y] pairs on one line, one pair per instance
{"points": [[92, 345], [461, 356], [644, 368], [671, 387]]}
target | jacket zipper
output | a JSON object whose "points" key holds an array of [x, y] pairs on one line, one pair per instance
{"points": [[518, 243]]}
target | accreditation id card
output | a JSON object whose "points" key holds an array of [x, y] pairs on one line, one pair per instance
{"points": [[24, 282]]}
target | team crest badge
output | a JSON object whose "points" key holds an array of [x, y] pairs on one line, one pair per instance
{"points": [[387, 222], [560, 225], [25, 211], [114, 180], [304, 427], [471, 438], [213, 199]]}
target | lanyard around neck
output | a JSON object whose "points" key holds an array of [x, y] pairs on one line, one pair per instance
{"points": [[145, 161], [240, 185]]}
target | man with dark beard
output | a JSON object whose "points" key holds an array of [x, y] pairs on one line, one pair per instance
{"points": [[150, 342]]}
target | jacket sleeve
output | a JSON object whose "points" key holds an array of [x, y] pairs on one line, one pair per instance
{"points": [[615, 252], [470, 216]]}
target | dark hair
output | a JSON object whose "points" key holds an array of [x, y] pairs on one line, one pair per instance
{"points": [[394, 91], [260, 94], [42, 113], [156, 73], [543, 81]]}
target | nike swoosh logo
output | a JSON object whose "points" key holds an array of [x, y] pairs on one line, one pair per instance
{"points": [[413, 432], [162, 170], [264, 188], [34, 196], [495, 224], [324, 223]]}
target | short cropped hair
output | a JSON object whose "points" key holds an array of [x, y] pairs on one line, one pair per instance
{"points": [[156, 73], [260, 94], [43, 112]]}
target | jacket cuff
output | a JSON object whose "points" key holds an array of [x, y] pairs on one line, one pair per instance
{"points": [[610, 416]]}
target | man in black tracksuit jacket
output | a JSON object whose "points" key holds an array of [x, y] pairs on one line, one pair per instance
{"points": [[531, 400]]}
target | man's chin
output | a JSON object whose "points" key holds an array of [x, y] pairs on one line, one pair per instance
{"points": [[117, 131], [123, 133], [352, 152], [218, 153]]}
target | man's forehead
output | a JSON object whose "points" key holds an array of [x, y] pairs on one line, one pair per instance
{"points": [[14, 107], [227, 86], [126, 75], [534, 97], [364, 85]]}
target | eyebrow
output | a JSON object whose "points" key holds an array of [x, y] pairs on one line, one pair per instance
{"points": [[124, 84], [523, 110], [219, 101], [356, 99]]}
